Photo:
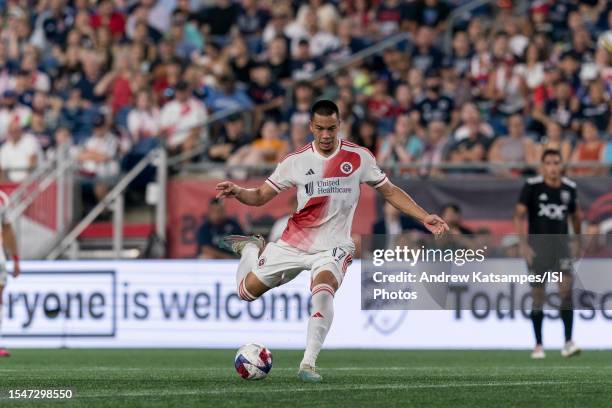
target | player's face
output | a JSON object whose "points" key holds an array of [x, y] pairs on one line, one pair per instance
{"points": [[551, 167], [325, 132]]}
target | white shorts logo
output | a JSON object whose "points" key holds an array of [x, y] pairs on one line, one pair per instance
{"points": [[346, 168]]}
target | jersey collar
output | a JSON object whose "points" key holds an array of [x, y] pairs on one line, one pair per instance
{"points": [[314, 149]]}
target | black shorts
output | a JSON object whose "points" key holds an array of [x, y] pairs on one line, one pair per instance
{"points": [[551, 256]]}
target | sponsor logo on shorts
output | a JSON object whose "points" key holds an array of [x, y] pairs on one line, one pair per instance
{"points": [[261, 262]]}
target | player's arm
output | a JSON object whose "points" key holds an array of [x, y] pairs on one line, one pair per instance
{"points": [[404, 203], [249, 196], [10, 244], [520, 214]]}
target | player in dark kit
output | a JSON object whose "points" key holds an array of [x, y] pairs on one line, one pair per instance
{"points": [[549, 201]]}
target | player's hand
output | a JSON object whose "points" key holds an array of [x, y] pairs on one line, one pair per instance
{"points": [[227, 189], [435, 225], [527, 253], [16, 269]]}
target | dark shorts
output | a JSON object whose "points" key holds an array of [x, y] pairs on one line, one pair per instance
{"points": [[550, 256]]}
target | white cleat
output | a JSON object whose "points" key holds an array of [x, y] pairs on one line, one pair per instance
{"points": [[236, 243], [309, 374], [538, 353], [570, 349]]}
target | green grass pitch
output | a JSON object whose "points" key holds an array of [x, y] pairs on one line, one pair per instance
{"points": [[196, 378]]}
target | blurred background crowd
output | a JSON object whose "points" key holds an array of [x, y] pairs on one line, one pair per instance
{"points": [[116, 78]]}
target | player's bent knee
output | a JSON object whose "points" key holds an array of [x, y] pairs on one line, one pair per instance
{"points": [[326, 278], [251, 288]]}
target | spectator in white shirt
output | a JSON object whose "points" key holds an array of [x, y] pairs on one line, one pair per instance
{"points": [[182, 120], [12, 111], [99, 167], [143, 122], [19, 155]]}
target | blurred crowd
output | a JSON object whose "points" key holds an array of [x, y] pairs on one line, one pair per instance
{"points": [[113, 79]]}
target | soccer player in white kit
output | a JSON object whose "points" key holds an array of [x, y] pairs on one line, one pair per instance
{"points": [[8, 242], [327, 173]]}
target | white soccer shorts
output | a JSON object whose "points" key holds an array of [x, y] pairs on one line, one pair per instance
{"points": [[281, 262], [3, 273]]}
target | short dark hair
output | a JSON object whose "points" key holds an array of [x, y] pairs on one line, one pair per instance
{"points": [[453, 206], [215, 201], [550, 152], [324, 107]]}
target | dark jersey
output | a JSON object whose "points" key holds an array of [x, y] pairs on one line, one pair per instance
{"points": [[548, 208]]}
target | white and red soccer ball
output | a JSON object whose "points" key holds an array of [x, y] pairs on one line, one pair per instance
{"points": [[253, 362]]}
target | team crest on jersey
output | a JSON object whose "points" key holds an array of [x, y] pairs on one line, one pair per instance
{"points": [[309, 188], [565, 196], [346, 167], [261, 262]]}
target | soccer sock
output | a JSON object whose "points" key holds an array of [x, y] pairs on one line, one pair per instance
{"points": [[248, 261], [537, 316], [319, 323], [568, 322]]}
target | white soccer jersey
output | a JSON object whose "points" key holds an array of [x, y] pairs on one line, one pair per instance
{"points": [[327, 193]]}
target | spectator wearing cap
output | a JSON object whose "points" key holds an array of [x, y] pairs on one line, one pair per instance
{"points": [[230, 139], [19, 155], [98, 162], [216, 226], [76, 116], [435, 105], [183, 120]]}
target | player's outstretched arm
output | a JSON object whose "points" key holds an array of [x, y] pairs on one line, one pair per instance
{"points": [[249, 196], [404, 203]]}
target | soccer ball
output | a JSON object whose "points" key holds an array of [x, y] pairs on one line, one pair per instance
{"points": [[253, 362]]}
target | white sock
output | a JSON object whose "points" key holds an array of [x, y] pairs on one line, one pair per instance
{"points": [[319, 323], [248, 261]]}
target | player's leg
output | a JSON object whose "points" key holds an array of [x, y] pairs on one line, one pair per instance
{"points": [[538, 294], [248, 286], [323, 288], [328, 273], [567, 314], [3, 351], [260, 271]]}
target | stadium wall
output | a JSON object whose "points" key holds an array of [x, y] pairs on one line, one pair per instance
{"points": [[193, 304]]}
